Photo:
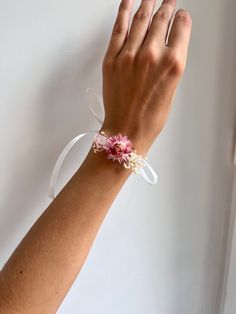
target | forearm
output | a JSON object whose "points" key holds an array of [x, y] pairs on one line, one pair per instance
{"points": [[49, 258]]}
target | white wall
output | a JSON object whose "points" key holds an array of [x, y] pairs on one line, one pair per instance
{"points": [[161, 249]]}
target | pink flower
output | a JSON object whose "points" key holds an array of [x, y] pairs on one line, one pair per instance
{"points": [[118, 147]]}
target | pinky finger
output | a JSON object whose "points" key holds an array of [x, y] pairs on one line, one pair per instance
{"points": [[180, 32], [120, 29]]}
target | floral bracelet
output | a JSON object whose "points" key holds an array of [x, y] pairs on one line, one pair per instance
{"points": [[118, 148]]}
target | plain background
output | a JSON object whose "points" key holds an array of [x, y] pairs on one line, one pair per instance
{"points": [[161, 249]]}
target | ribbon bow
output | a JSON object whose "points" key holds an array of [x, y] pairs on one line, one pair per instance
{"points": [[151, 178]]}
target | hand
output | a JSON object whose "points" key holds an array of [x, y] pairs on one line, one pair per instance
{"points": [[141, 69]]}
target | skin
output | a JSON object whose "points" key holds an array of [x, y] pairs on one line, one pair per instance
{"points": [[141, 70]]}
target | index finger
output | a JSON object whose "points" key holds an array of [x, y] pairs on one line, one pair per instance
{"points": [[120, 29]]}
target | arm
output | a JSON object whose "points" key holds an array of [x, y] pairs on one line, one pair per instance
{"points": [[140, 76], [47, 261]]}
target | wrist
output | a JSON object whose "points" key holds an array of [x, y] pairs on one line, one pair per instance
{"points": [[141, 143], [99, 165]]}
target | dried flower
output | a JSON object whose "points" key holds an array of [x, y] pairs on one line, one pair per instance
{"points": [[134, 162], [99, 142], [118, 147]]}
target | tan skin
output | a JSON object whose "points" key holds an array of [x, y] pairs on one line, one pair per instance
{"points": [[141, 70]]}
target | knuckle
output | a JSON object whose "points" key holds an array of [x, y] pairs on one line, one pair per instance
{"points": [[173, 61], [141, 15], [148, 55], [162, 14], [127, 57], [118, 28], [123, 5], [184, 17]]}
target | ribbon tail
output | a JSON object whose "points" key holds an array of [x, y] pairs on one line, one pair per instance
{"points": [[59, 162], [92, 109], [152, 178]]}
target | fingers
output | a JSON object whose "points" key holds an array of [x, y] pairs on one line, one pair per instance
{"points": [[180, 32], [120, 29], [141, 35], [140, 25], [160, 23]]}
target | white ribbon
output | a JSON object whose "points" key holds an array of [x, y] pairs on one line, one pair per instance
{"points": [[151, 178]]}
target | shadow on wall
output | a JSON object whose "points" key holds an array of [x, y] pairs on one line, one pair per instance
{"points": [[61, 113]]}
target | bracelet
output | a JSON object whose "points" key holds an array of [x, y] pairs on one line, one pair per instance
{"points": [[118, 148]]}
